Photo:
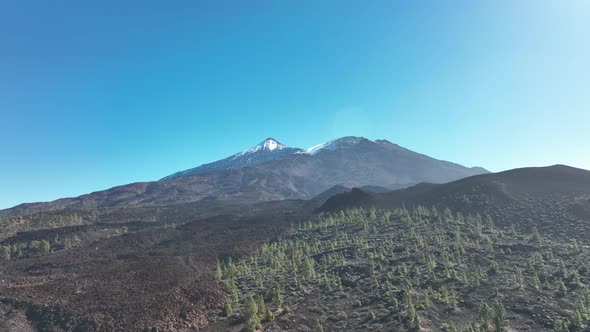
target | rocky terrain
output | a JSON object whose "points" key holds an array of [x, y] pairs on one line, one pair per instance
{"points": [[507, 248], [129, 277], [512, 256]]}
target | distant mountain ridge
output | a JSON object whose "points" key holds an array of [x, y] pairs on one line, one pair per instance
{"points": [[543, 194], [272, 171]]}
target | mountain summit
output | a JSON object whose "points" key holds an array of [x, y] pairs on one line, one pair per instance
{"points": [[269, 144], [267, 150]]}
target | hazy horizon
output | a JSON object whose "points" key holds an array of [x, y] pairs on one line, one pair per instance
{"points": [[95, 95]]}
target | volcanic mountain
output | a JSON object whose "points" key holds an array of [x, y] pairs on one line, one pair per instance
{"points": [[273, 171]]}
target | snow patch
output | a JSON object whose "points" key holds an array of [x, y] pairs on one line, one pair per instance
{"points": [[317, 148], [334, 144]]}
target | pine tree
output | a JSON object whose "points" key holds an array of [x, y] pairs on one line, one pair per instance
{"points": [[318, 327], [308, 271], [445, 294], [251, 315], [484, 316], [519, 278], [393, 303], [45, 247], [561, 289], [425, 298], [499, 317], [416, 323], [536, 282], [218, 273], [6, 252], [535, 236], [453, 298], [560, 325], [227, 309], [277, 296], [493, 268], [232, 288], [268, 315], [449, 327], [576, 322], [261, 305]]}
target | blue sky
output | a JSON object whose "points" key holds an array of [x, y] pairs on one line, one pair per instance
{"points": [[100, 93]]}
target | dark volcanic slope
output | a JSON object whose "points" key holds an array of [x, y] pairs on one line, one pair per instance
{"points": [[158, 275], [155, 279], [530, 195], [349, 162]]}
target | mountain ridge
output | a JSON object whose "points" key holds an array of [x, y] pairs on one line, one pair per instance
{"points": [[273, 171], [517, 189]]}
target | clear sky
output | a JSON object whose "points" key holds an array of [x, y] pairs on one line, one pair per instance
{"points": [[100, 93]]}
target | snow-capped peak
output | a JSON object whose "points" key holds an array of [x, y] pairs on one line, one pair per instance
{"points": [[269, 144], [334, 144]]}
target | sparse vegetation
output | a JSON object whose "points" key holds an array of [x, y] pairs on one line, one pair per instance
{"points": [[407, 269]]}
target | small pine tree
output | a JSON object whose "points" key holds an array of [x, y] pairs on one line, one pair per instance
{"points": [[561, 289], [562, 269], [576, 322], [268, 315], [484, 316], [218, 273], [372, 214], [371, 315], [393, 303], [318, 327], [232, 288], [575, 246], [575, 277], [251, 315], [45, 247], [227, 309], [493, 268], [519, 278], [251, 325], [277, 296], [499, 317], [6, 252], [560, 325], [444, 292], [536, 282], [261, 305], [308, 271], [476, 280], [470, 328], [453, 298], [449, 327], [426, 298], [416, 323], [535, 236]]}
